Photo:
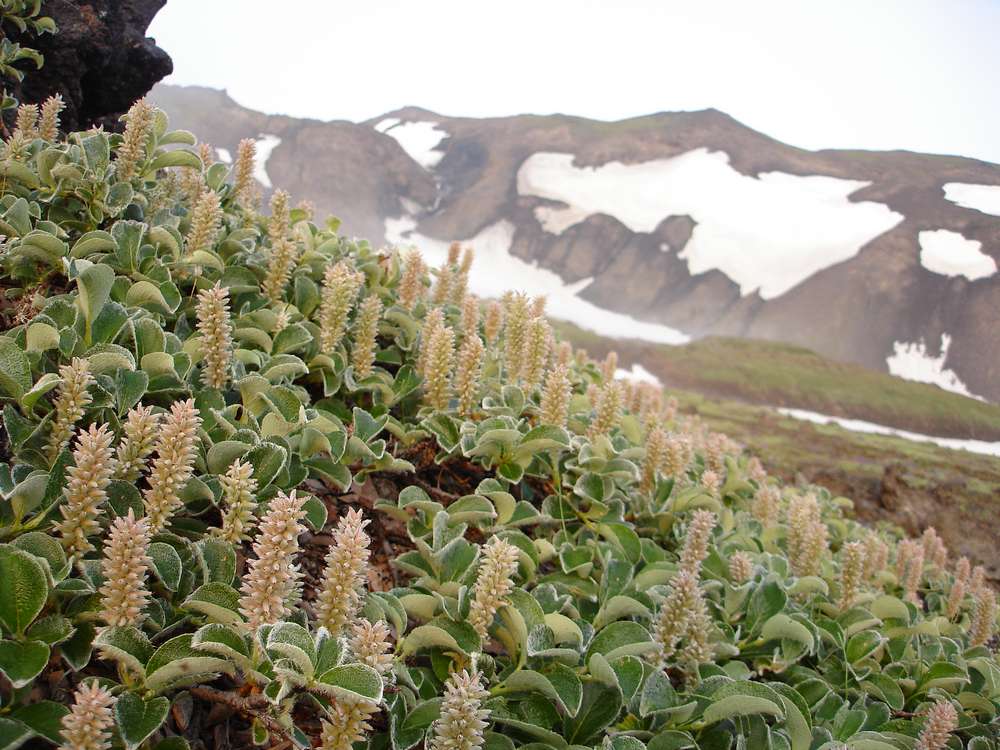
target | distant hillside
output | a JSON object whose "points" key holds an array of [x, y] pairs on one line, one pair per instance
{"points": [[670, 226]]}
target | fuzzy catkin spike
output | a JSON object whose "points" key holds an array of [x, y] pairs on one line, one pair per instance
{"points": [[71, 400], [370, 644], [206, 220], [536, 352], [437, 374], [699, 532], [470, 317], [442, 289], [468, 372], [87, 726], [365, 334], [132, 151], [463, 719], [678, 456], [607, 409], [432, 324], [671, 621], [341, 284], [767, 505], [984, 615], [272, 573], [246, 155], [910, 567], [238, 488], [942, 720], [652, 463], [493, 322], [711, 481], [173, 465], [126, 561], [349, 724], [216, 329], [344, 579], [279, 222], [807, 534], [26, 122], [281, 261], [86, 487], [740, 567], [852, 572], [48, 121], [140, 435], [610, 366], [411, 284], [494, 582], [556, 396], [515, 333], [876, 556]]}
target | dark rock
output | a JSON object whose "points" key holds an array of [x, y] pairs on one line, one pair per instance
{"points": [[100, 60]]}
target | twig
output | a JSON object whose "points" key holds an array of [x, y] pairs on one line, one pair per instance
{"points": [[250, 706]]}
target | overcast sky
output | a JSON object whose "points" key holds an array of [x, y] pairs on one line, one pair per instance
{"points": [[878, 74]]}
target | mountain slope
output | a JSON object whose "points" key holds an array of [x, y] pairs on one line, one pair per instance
{"points": [[688, 220]]}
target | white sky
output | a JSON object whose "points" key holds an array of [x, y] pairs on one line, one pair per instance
{"points": [[878, 74]]}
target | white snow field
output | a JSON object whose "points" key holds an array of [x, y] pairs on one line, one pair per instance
{"points": [[418, 139], [496, 270], [911, 361], [224, 156], [638, 374], [767, 234], [985, 198], [859, 425], [265, 145], [950, 254]]}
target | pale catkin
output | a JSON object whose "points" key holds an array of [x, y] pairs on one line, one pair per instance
{"points": [[941, 721], [348, 724], [369, 643], [239, 503], [140, 430], [440, 361], [766, 506], [493, 583], [26, 121], [852, 572], [536, 352], [206, 221], [365, 334], [515, 333], [341, 284], [699, 533], [806, 535], [876, 556], [711, 481], [86, 489], [442, 289], [272, 573], [246, 156], [740, 568], [564, 354], [556, 396], [138, 127], [48, 121], [671, 624], [216, 328], [279, 222], [468, 372], [910, 566], [432, 324], [678, 456], [411, 284], [756, 471], [343, 580], [984, 615], [71, 400], [609, 367], [493, 322], [174, 463], [959, 588], [463, 719], [126, 561], [607, 409], [87, 726], [281, 261], [470, 317]]}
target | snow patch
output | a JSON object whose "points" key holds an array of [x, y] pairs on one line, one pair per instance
{"points": [[418, 139], [911, 361], [638, 374], [859, 425], [496, 270], [265, 145], [766, 233], [224, 156], [985, 198], [950, 254]]}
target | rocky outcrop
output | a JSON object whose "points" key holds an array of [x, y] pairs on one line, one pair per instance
{"points": [[100, 60]]}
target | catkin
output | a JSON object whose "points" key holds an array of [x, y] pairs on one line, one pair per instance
{"points": [[695, 549], [216, 329], [493, 322], [132, 151], [343, 581], [941, 721], [246, 155], [370, 645], [468, 373], [71, 400], [341, 284], [126, 560], [206, 221], [86, 485], [437, 374], [281, 262], [173, 465], [463, 719], [365, 334], [852, 571], [87, 726], [536, 352], [140, 430], [607, 409], [556, 397], [411, 285], [238, 488], [48, 121], [494, 582]]}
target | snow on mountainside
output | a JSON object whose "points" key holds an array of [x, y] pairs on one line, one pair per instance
{"points": [[669, 226]]}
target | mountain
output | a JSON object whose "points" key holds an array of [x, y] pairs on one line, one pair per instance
{"points": [[668, 227]]}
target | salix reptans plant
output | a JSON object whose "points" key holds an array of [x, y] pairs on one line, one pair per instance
{"points": [[369, 643], [556, 396], [206, 221], [468, 372], [655, 458], [438, 367], [216, 329], [281, 262], [238, 501], [48, 120], [86, 487], [344, 578], [243, 180], [699, 533], [87, 726], [740, 567], [536, 352], [341, 284], [173, 465], [463, 718], [126, 561], [138, 127], [852, 571], [272, 572], [494, 582], [411, 284], [806, 534], [607, 409], [432, 324], [365, 333], [493, 322], [72, 398], [140, 430]]}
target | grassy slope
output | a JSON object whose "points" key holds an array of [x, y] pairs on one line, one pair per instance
{"points": [[762, 372]]}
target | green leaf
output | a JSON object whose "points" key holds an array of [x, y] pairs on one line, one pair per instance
{"points": [[15, 369], [44, 717], [177, 662], [217, 601], [166, 564], [178, 157], [126, 645], [740, 705], [24, 588], [784, 627], [13, 733], [22, 661], [621, 638], [137, 719], [94, 284], [598, 709], [356, 682]]}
